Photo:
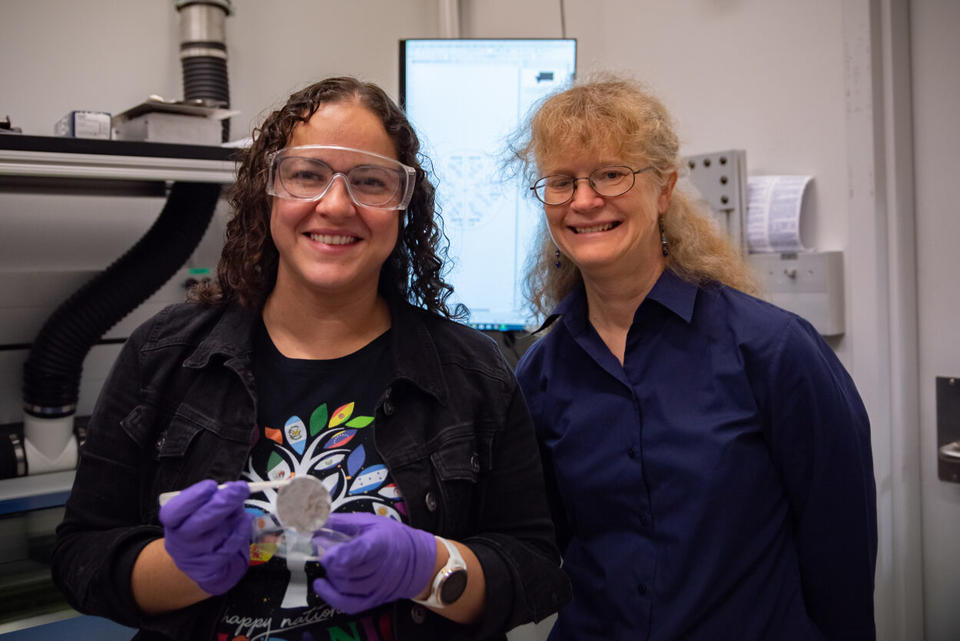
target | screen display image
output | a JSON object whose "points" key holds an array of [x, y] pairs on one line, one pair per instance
{"points": [[465, 97]]}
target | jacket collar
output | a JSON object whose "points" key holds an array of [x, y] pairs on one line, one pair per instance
{"points": [[231, 336], [414, 353], [672, 292]]}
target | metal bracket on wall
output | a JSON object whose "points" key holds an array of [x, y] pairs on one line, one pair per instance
{"points": [[948, 428], [721, 179]]}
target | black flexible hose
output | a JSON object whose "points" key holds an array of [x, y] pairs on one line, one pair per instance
{"points": [[51, 374]]}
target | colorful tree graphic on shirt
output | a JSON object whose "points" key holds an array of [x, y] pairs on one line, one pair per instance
{"points": [[322, 451]]}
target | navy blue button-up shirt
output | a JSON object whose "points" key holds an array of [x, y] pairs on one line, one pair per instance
{"points": [[717, 485]]}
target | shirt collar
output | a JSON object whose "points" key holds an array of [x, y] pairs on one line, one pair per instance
{"points": [[674, 293], [573, 310], [670, 291]]}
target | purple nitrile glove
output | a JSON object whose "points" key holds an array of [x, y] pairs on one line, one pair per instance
{"points": [[207, 533], [384, 561]]}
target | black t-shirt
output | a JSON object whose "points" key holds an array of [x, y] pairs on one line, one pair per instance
{"points": [[317, 418]]}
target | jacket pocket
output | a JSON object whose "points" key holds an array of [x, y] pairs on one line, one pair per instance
{"points": [[160, 434], [456, 464], [177, 451]]}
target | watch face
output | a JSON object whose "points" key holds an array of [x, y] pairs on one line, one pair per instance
{"points": [[453, 586]]}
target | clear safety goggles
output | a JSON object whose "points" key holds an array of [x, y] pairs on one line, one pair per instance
{"points": [[307, 172]]}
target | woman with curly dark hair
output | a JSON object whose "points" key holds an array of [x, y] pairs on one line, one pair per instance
{"points": [[325, 349], [248, 264]]}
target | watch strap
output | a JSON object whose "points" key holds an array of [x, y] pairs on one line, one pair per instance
{"points": [[454, 563]]}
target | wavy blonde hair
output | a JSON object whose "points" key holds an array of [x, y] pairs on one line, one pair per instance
{"points": [[608, 112]]}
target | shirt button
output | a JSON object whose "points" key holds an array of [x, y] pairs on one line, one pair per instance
{"points": [[633, 452], [642, 589], [431, 500], [418, 613]]}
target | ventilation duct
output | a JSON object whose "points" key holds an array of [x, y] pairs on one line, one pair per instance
{"points": [[51, 374], [203, 53]]}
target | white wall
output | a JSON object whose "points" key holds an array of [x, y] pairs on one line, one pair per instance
{"points": [[735, 75], [109, 55]]}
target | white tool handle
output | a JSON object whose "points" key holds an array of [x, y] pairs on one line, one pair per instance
{"points": [[255, 486]]}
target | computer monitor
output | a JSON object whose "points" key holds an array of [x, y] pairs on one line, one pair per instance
{"points": [[465, 97]]}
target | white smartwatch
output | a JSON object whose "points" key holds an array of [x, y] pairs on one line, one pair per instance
{"points": [[450, 582]]}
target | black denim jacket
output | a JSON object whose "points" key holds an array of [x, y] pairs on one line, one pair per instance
{"points": [[180, 405]]}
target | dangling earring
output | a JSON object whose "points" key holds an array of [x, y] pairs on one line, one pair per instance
{"points": [[663, 240], [556, 257]]}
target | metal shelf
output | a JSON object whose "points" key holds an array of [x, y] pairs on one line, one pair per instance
{"points": [[44, 164], [49, 157], [35, 492]]}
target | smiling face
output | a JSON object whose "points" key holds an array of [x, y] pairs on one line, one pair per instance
{"points": [[607, 237], [334, 247]]}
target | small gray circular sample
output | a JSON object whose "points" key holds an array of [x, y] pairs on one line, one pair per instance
{"points": [[303, 504]]}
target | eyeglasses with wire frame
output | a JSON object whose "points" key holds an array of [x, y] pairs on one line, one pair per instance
{"points": [[306, 172], [609, 182]]}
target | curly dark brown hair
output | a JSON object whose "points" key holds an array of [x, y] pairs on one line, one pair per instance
{"points": [[247, 270]]}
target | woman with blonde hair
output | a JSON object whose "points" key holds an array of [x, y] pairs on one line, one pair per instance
{"points": [[707, 456]]}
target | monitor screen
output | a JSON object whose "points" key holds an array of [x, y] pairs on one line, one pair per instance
{"points": [[465, 97]]}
